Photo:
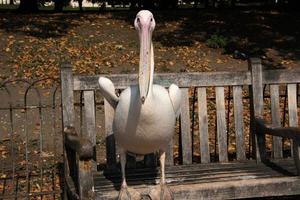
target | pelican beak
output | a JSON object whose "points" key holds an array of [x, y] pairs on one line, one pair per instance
{"points": [[145, 62]]}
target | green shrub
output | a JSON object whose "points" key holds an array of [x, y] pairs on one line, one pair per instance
{"points": [[217, 41]]}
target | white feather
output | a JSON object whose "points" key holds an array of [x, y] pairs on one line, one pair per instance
{"points": [[107, 89], [144, 128], [175, 96]]}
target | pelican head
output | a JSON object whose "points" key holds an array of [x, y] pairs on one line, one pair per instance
{"points": [[144, 23]]}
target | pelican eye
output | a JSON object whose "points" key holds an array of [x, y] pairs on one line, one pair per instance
{"points": [[151, 19], [138, 20]]}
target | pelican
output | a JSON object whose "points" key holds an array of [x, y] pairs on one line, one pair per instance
{"points": [[145, 114]]}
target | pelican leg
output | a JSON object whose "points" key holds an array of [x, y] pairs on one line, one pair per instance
{"points": [[126, 193], [162, 192]]}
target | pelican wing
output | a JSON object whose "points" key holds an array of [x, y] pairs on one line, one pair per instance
{"points": [[175, 96], [107, 89]]}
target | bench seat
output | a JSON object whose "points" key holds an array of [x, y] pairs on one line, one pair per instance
{"points": [[215, 180]]}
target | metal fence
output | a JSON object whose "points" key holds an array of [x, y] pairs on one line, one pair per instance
{"points": [[31, 147], [30, 139]]}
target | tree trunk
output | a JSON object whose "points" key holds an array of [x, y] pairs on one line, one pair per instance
{"points": [[233, 2], [205, 3], [58, 5], [11, 2], [80, 5], [168, 3], [196, 2], [28, 6], [294, 4], [148, 4]]}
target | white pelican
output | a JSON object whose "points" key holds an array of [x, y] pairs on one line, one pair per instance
{"points": [[145, 114]]}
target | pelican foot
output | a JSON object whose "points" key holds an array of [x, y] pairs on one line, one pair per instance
{"points": [[127, 193], [161, 192]]}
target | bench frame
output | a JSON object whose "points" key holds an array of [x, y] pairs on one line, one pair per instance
{"points": [[80, 151]]}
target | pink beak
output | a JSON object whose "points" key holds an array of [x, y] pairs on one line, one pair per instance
{"points": [[145, 59]]}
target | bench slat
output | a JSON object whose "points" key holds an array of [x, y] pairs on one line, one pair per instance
{"points": [[238, 122], [292, 100], [110, 139], [67, 95], [257, 104], [203, 125], [68, 115], [169, 154], [292, 107], [186, 138], [221, 125], [275, 112], [89, 107]]}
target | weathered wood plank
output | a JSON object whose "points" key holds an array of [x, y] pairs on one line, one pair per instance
{"points": [[110, 139], [257, 102], [84, 172], [221, 125], [166, 79], [184, 177], [226, 189], [81, 145], [202, 79], [239, 189], [67, 102], [285, 132], [281, 76], [238, 122], [292, 108], [85, 179], [67, 98], [186, 138], [90, 133], [296, 151], [203, 125], [199, 167], [293, 121], [275, 112], [170, 154], [292, 105]]}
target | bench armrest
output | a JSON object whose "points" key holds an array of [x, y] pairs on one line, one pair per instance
{"points": [[286, 132], [82, 146], [80, 176], [292, 133]]}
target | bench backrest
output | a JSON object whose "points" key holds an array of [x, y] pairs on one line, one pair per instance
{"points": [[220, 101]]}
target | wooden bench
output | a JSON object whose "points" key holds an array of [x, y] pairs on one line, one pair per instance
{"points": [[201, 162]]}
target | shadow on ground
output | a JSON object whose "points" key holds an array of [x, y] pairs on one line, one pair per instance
{"points": [[40, 25], [255, 32]]}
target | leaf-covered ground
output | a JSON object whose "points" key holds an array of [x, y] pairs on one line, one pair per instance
{"points": [[33, 46]]}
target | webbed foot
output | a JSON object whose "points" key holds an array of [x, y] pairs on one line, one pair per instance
{"points": [[161, 192], [127, 193]]}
